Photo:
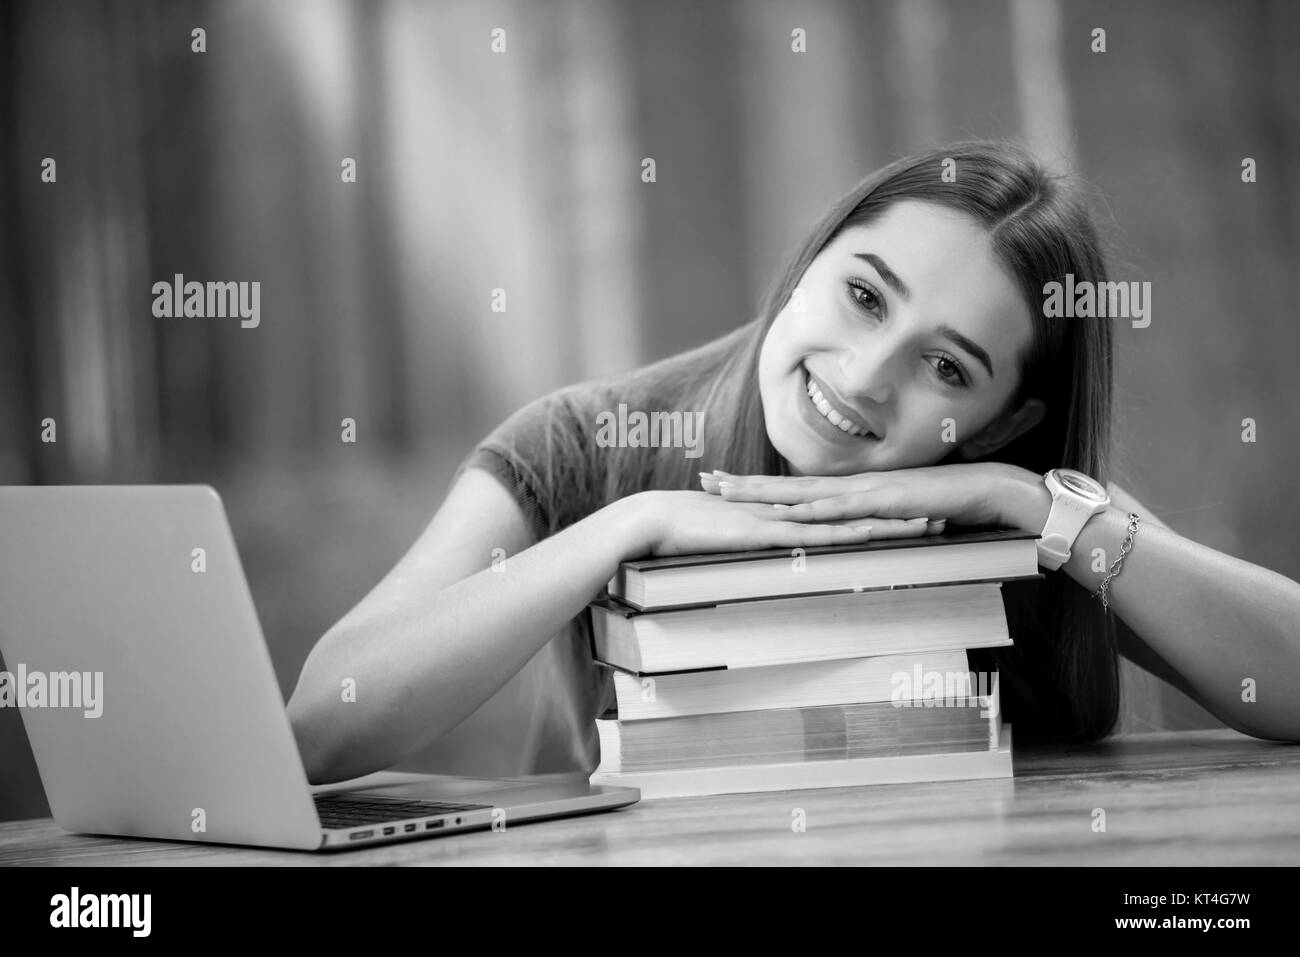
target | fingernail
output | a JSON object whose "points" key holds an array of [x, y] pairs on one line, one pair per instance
{"points": [[862, 528], [918, 521], [707, 477], [779, 505], [724, 485]]}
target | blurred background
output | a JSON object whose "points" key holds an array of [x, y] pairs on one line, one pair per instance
{"points": [[521, 170]]}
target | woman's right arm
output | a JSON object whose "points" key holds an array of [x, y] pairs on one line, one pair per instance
{"points": [[444, 630]]}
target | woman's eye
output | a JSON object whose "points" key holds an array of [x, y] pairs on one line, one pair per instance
{"points": [[950, 371], [864, 297]]}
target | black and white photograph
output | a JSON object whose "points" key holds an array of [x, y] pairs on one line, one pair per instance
{"points": [[619, 433]]}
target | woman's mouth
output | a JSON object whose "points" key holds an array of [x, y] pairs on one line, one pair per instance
{"points": [[830, 414]]}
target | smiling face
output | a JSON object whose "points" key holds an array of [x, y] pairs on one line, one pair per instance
{"points": [[896, 326]]}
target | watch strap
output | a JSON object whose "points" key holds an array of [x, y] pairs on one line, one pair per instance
{"points": [[1064, 523]]}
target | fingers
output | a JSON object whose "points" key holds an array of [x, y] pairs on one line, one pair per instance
{"points": [[796, 534], [709, 482], [786, 492], [860, 508], [762, 488], [885, 525], [852, 505], [899, 527], [882, 528], [884, 509], [852, 531]]}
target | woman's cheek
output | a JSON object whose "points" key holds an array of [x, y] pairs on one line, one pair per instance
{"points": [[918, 445]]}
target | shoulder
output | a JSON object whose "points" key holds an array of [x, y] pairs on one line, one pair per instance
{"points": [[551, 450], [576, 409], [541, 456], [562, 414]]}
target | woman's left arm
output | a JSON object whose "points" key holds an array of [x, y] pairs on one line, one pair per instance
{"points": [[1221, 630]]}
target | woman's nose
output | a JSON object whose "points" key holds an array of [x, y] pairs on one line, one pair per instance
{"points": [[868, 373]]}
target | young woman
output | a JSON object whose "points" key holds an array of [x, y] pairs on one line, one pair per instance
{"points": [[901, 374]]}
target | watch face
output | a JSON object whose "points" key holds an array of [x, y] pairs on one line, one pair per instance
{"points": [[1080, 484]]}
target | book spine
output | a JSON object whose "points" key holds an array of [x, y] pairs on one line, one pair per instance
{"points": [[799, 685], [854, 772], [819, 629]]}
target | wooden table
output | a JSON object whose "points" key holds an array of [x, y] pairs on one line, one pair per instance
{"points": [[1180, 798]]}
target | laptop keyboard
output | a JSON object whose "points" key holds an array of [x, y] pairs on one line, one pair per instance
{"points": [[342, 811]]}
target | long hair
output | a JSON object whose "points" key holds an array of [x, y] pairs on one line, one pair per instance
{"points": [[1060, 680]]}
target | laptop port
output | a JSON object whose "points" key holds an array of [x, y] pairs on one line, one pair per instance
{"points": [[409, 828], [389, 830], [433, 824], [358, 835]]}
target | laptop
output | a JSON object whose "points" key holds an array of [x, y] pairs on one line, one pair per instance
{"points": [[133, 652]]}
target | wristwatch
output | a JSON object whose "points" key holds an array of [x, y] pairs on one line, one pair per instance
{"points": [[1075, 499]]}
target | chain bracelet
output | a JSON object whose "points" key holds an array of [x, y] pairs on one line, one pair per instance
{"points": [[1102, 592]]}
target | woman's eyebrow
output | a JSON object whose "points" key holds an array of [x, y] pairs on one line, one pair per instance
{"points": [[948, 332], [887, 274], [969, 345]]}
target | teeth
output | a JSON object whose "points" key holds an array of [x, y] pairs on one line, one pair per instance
{"points": [[834, 417]]}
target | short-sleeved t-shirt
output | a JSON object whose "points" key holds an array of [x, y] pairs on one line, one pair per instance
{"points": [[543, 719]]}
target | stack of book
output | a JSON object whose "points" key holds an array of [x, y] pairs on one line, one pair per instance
{"points": [[830, 666]]}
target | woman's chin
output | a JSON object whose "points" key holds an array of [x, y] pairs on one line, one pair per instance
{"points": [[804, 458]]}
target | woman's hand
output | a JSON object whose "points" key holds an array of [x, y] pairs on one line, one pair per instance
{"points": [[687, 523], [972, 494]]}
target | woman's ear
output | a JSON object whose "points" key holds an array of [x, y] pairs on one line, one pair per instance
{"points": [[1003, 430]]}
